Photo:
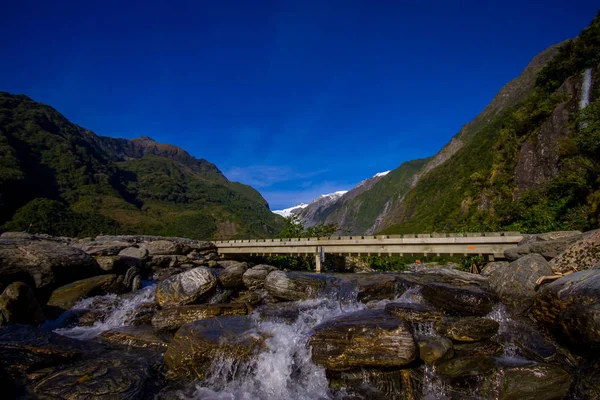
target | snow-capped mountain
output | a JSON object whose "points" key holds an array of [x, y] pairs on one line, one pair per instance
{"points": [[286, 212]]}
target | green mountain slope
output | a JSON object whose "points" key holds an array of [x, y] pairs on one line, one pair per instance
{"points": [[67, 180]]}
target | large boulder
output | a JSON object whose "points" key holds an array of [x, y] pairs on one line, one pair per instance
{"points": [[142, 336], [293, 286], [175, 317], [414, 313], [232, 276], [548, 249], [18, 305], [467, 329], [459, 299], [118, 264], [584, 254], [139, 252], [103, 248], [570, 307], [370, 287], [185, 288], [515, 283], [166, 248], [376, 384], [369, 338], [66, 296], [254, 278], [43, 264], [197, 344]]}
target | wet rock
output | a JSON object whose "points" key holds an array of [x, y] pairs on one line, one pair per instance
{"points": [[166, 273], [135, 336], [254, 277], [130, 279], [175, 317], [232, 276], [467, 329], [414, 313], [582, 255], [372, 287], [466, 366], [377, 384], [460, 299], [492, 267], [482, 348], [137, 252], [18, 305], [143, 314], [66, 296], [185, 288], [434, 350], [293, 286], [287, 312], [44, 265], [166, 248], [570, 307], [515, 283], [548, 249], [369, 338], [24, 349], [539, 382], [254, 298], [113, 376], [195, 345]]}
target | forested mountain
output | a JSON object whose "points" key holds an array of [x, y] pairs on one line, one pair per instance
{"points": [[66, 180], [530, 161]]}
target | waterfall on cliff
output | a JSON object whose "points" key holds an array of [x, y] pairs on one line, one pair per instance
{"points": [[586, 87]]}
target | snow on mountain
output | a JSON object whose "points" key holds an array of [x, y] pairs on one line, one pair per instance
{"points": [[380, 174], [292, 210], [332, 196]]}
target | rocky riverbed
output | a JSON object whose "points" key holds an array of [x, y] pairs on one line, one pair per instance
{"points": [[149, 317]]}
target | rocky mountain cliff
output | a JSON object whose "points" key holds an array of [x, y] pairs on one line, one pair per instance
{"points": [[524, 163], [66, 180]]}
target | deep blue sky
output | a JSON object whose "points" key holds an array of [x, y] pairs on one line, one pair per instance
{"points": [[295, 98]]}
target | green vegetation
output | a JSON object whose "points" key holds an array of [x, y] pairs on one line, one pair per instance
{"points": [[65, 180], [476, 190]]}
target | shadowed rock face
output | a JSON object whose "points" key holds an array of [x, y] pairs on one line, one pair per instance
{"points": [[136, 336], [583, 254], [467, 329], [185, 288], [195, 345], [515, 283], [44, 264], [254, 278], [363, 339], [232, 275], [570, 306], [460, 300], [543, 382], [18, 305]]}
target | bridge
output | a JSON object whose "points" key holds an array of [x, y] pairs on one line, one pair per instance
{"points": [[491, 244]]}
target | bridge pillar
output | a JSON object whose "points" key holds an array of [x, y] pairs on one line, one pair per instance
{"points": [[318, 263]]}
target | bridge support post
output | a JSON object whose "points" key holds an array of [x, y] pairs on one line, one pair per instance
{"points": [[318, 263]]}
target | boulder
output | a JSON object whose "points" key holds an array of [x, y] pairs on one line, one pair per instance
{"points": [[482, 348], [166, 248], [492, 267], [197, 344], [548, 249], [18, 305], [232, 276], [371, 287], [138, 252], [185, 288], [433, 350], [286, 312], [515, 283], [537, 381], [167, 261], [118, 264], [111, 376], [376, 384], [175, 317], [254, 277], [293, 286], [584, 254], [102, 248], [44, 265], [414, 313], [166, 273], [460, 299], [66, 296], [570, 307], [368, 338], [467, 329], [466, 366], [142, 336]]}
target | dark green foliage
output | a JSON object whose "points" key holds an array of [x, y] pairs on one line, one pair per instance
{"points": [[107, 185]]}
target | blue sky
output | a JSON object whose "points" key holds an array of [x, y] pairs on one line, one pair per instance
{"points": [[296, 98]]}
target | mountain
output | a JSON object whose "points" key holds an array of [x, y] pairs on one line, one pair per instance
{"points": [[529, 161], [67, 180]]}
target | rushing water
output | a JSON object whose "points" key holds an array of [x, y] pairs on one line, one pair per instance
{"points": [[120, 311]]}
